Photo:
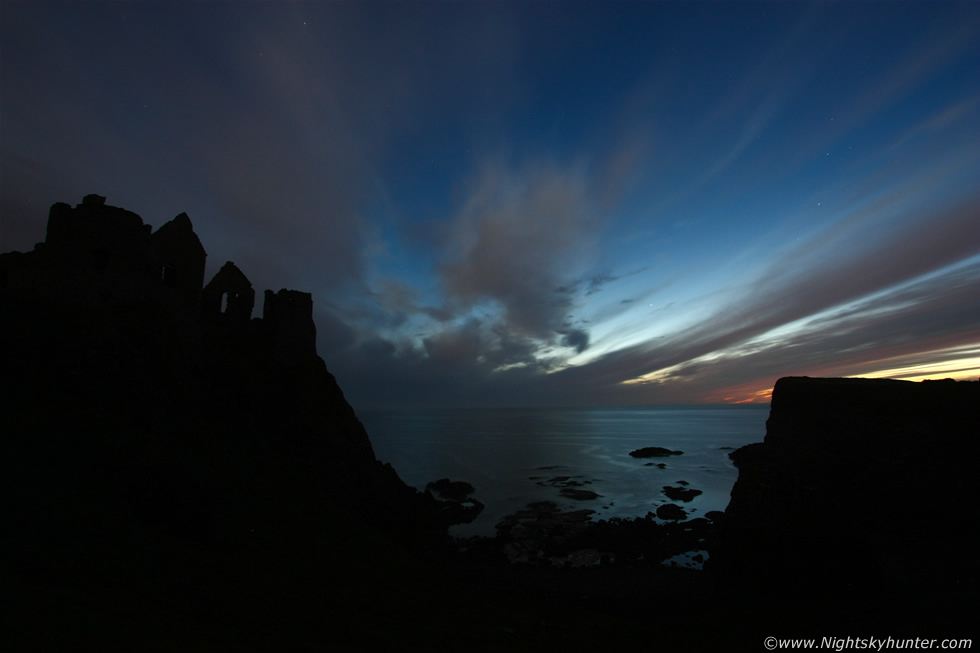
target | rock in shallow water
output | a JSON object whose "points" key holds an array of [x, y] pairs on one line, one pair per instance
{"points": [[579, 495], [680, 493], [654, 452]]}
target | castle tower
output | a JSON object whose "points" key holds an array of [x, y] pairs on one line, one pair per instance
{"points": [[288, 316]]}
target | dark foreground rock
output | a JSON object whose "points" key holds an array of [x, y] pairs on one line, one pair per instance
{"points": [[530, 534], [446, 489], [542, 533], [160, 443], [455, 502], [671, 511], [835, 502]]}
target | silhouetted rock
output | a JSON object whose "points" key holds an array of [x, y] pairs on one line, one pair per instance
{"points": [[654, 452], [179, 472], [680, 493], [578, 495], [833, 502], [446, 489], [537, 532], [118, 360], [561, 481], [455, 503], [671, 511]]}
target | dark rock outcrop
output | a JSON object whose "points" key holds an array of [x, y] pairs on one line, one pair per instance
{"points": [[133, 392], [654, 452], [837, 499], [453, 490], [454, 500], [578, 495], [680, 493], [543, 533], [532, 533], [671, 512]]}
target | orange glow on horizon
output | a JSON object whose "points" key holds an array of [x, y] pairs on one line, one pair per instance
{"points": [[763, 396], [960, 369]]}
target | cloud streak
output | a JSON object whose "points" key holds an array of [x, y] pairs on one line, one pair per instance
{"points": [[494, 203]]}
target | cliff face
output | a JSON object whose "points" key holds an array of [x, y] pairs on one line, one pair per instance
{"points": [[129, 402], [861, 485]]}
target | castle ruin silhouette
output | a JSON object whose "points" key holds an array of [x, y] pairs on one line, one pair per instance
{"points": [[97, 255]]}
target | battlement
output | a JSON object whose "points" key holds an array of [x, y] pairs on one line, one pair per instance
{"points": [[287, 306]]}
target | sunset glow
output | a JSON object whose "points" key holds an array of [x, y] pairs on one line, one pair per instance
{"points": [[537, 203]]}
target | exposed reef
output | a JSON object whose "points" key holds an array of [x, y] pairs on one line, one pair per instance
{"points": [[541, 533]]}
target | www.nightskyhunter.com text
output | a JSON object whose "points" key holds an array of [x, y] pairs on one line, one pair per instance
{"points": [[867, 644]]}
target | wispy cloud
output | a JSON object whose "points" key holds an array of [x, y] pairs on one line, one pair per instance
{"points": [[517, 239], [505, 203]]}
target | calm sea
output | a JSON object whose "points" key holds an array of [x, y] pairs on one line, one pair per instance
{"points": [[509, 455]]}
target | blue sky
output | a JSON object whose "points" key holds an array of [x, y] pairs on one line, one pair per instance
{"points": [[537, 203]]}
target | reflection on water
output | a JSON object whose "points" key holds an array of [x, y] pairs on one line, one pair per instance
{"points": [[509, 455]]}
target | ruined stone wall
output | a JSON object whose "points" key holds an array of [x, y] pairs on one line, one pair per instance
{"points": [[228, 298], [179, 259], [95, 254]]}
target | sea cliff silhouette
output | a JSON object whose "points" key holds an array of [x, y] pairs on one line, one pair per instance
{"points": [[120, 358], [179, 473], [864, 494], [160, 441]]}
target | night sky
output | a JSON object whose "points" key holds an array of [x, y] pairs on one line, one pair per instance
{"points": [[537, 203]]}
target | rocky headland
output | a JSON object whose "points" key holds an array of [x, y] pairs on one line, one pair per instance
{"points": [[182, 474], [864, 490]]}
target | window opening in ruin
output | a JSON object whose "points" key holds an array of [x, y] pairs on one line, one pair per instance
{"points": [[167, 274], [228, 299]]}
